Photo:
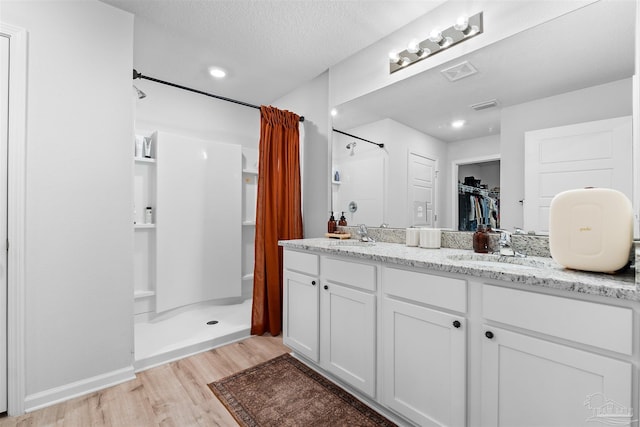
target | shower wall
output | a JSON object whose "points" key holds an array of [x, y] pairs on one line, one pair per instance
{"points": [[198, 218]]}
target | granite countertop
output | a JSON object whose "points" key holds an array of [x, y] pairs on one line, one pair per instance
{"points": [[537, 271]]}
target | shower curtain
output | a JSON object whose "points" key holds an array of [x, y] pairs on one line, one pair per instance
{"points": [[278, 213]]}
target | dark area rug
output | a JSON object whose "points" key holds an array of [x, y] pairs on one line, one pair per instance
{"points": [[285, 392]]}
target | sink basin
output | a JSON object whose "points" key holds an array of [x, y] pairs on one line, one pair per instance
{"points": [[490, 260], [350, 242]]}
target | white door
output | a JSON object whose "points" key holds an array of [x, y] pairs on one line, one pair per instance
{"points": [[4, 125], [424, 364], [347, 335], [421, 190], [591, 154], [532, 382], [300, 316]]}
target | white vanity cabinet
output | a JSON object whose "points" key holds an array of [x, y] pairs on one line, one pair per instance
{"points": [[300, 315], [424, 347], [348, 322], [528, 380]]}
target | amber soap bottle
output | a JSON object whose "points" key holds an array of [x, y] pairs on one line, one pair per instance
{"points": [[332, 225]]}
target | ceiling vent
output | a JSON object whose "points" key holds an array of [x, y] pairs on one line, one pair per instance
{"points": [[460, 71], [484, 105]]}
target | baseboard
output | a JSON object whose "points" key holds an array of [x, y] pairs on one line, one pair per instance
{"points": [[79, 388]]}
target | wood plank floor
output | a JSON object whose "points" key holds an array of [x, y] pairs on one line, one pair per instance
{"points": [[175, 394]]}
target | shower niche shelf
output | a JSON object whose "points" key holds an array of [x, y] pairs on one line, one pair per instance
{"points": [[144, 194], [143, 226], [144, 160], [250, 171]]}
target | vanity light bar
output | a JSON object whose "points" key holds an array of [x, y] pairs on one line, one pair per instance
{"points": [[463, 29]]}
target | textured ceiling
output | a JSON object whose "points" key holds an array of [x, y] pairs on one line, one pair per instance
{"points": [[268, 47]]}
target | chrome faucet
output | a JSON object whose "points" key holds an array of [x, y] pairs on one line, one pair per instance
{"points": [[363, 232], [506, 246]]}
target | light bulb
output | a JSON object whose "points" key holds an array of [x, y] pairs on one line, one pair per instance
{"points": [[462, 24], [414, 46], [457, 123], [334, 112], [394, 57], [435, 36]]}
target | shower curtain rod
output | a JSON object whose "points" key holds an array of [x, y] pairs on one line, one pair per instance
{"points": [[357, 137], [137, 75]]}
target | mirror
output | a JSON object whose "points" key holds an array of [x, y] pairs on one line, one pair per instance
{"points": [[576, 68]]}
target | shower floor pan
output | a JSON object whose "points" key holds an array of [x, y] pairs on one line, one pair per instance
{"points": [[188, 331]]}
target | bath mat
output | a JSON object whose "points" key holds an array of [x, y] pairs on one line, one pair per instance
{"points": [[285, 392]]}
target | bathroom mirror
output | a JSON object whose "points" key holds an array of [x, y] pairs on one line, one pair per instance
{"points": [[573, 69]]}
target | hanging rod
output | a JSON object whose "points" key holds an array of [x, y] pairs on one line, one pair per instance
{"points": [[357, 137], [137, 75]]}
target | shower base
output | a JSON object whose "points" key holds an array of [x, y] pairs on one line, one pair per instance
{"points": [[185, 332]]}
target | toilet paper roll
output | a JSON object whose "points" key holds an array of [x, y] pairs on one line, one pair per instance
{"points": [[413, 236], [430, 238]]}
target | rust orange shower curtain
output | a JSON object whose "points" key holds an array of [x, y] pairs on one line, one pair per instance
{"points": [[278, 213]]}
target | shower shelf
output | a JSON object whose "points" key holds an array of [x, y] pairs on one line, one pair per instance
{"points": [[248, 223], [336, 182], [142, 226], [143, 294], [250, 171], [144, 160]]}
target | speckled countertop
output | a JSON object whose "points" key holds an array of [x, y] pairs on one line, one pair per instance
{"points": [[537, 271]]}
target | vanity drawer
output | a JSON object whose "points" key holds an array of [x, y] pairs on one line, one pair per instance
{"points": [[599, 325], [349, 273], [302, 262], [426, 288]]}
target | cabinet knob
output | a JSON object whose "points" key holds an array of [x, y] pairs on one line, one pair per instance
{"points": [[456, 324], [313, 282], [488, 334], [326, 287]]}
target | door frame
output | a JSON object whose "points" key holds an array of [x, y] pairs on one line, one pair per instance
{"points": [[454, 182], [16, 175]]}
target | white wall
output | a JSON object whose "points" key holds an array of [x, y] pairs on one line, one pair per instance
{"points": [[311, 101], [79, 246], [595, 103]]}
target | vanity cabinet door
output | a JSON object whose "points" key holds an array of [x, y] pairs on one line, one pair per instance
{"points": [[300, 314], [532, 382], [348, 326], [424, 364]]}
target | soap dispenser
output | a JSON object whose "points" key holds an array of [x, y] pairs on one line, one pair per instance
{"points": [[343, 221], [331, 226]]}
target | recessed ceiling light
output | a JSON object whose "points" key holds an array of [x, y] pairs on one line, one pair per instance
{"points": [[457, 123], [334, 112], [216, 72]]}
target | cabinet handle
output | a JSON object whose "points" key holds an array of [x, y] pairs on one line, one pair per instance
{"points": [[313, 282], [456, 324], [488, 334], [326, 287]]}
